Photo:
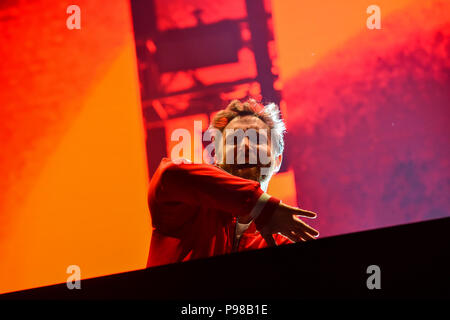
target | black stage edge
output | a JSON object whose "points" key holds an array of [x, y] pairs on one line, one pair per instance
{"points": [[414, 261]]}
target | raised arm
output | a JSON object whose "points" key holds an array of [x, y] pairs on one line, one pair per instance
{"points": [[174, 185], [203, 185]]}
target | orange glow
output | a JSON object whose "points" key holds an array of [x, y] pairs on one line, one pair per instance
{"points": [[282, 186], [306, 30], [86, 203]]}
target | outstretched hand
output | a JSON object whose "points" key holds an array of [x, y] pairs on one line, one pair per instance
{"points": [[284, 221]]}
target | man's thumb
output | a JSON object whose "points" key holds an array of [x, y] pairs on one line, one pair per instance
{"points": [[268, 237]]}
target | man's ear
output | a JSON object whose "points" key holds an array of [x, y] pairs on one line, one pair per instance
{"points": [[278, 161]]}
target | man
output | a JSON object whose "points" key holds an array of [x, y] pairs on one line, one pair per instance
{"points": [[203, 210]]}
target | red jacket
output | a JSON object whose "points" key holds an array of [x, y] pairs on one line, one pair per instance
{"points": [[194, 209]]}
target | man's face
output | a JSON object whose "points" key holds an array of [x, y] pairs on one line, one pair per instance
{"points": [[247, 149]]}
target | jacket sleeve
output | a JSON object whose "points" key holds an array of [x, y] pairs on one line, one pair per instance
{"points": [[202, 185]]}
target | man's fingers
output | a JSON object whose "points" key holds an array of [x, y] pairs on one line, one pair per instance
{"points": [[299, 212], [306, 236], [305, 213], [291, 236], [310, 230], [269, 240], [302, 227], [298, 237]]}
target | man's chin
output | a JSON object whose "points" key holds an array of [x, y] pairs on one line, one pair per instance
{"points": [[250, 172]]}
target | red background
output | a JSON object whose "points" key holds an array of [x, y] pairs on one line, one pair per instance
{"points": [[367, 114]]}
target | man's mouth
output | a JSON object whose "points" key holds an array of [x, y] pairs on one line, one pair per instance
{"points": [[245, 165]]}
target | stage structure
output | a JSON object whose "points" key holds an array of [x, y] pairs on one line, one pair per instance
{"points": [[193, 58]]}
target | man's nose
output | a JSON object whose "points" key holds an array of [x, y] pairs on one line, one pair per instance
{"points": [[246, 143], [247, 147]]}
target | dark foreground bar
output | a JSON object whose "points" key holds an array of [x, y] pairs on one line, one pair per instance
{"points": [[413, 261]]}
